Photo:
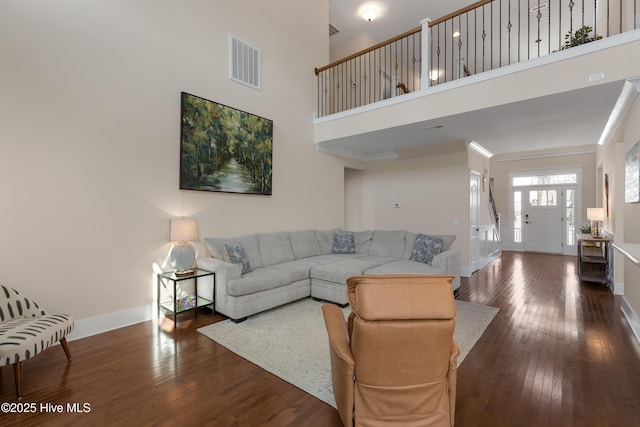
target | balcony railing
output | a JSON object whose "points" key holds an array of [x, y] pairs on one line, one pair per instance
{"points": [[483, 36]]}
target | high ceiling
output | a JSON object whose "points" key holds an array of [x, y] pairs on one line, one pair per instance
{"points": [[575, 118]]}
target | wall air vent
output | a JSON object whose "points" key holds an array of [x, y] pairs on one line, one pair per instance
{"points": [[333, 30], [244, 62]]}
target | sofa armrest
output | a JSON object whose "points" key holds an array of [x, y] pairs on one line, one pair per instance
{"points": [[225, 271], [449, 262]]}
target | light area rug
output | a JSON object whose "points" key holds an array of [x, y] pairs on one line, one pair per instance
{"points": [[291, 341]]}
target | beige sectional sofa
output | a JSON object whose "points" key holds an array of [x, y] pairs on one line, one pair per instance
{"points": [[258, 272]]}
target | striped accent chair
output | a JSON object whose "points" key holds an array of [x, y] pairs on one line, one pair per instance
{"points": [[26, 330]]}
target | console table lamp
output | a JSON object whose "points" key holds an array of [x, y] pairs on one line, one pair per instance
{"points": [[183, 255], [595, 215]]}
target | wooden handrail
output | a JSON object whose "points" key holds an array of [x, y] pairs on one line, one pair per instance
{"points": [[369, 49], [403, 35], [459, 12]]}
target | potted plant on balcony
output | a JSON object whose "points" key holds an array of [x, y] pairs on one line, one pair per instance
{"points": [[581, 36]]}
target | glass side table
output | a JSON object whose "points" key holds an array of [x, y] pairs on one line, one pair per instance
{"points": [[177, 299]]}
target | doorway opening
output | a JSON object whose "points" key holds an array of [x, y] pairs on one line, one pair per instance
{"points": [[545, 210]]}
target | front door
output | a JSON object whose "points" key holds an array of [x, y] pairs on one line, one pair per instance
{"points": [[543, 219]]}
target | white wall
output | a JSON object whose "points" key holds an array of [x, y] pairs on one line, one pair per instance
{"points": [[432, 191], [630, 213], [89, 137], [350, 46]]}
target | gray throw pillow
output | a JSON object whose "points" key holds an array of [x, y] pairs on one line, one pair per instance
{"points": [[425, 248], [343, 242], [236, 254]]}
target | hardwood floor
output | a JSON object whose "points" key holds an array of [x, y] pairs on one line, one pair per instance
{"points": [[558, 353]]}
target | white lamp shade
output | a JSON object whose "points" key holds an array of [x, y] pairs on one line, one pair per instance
{"points": [[183, 230], [595, 214]]}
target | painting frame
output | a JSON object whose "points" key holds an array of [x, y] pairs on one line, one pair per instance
{"points": [[632, 174], [224, 149]]}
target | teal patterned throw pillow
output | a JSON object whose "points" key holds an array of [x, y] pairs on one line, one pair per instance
{"points": [[425, 248], [343, 243], [236, 254]]}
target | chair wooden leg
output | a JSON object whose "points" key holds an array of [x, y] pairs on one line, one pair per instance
{"points": [[17, 373], [65, 347]]}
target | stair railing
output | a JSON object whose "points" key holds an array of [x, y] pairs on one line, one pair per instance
{"points": [[485, 35]]}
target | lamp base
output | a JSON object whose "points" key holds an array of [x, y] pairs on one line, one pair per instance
{"points": [[182, 256]]}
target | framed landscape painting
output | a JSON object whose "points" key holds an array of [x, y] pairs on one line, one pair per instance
{"points": [[632, 175], [223, 148]]}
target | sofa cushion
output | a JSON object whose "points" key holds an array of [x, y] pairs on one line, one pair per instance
{"points": [[275, 248], [388, 243], [343, 242], [425, 248], [249, 243], [447, 241], [329, 258], [236, 254], [378, 259], [363, 241], [338, 272], [325, 240], [299, 270], [404, 266], [258, 280], [305, 244]]}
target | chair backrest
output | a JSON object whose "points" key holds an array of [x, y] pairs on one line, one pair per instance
{"points": [[401, 330], [15, 306]]}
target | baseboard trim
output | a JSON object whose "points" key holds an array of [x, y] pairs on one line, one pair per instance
{"points": [[632, 317], [618, 288], [466, 271], [108, 322]]}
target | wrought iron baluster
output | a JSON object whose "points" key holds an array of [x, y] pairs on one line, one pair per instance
{"points": [[528, 29], [491, 36], [484, 36], [518, 29], [549, 28], [620, 32], [467, 37], [559, 24], [582, 26], [500, 36], [475, 40], [571, 4], [538, 18], [509, 34]]}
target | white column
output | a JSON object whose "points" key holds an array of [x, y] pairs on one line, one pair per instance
{"points": [[425, 80]]}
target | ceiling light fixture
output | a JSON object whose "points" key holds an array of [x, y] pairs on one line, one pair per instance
{"points": [[369, 11], [456, 34]]}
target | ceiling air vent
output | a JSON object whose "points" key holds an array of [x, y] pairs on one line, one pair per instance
{"points": [[244, 62], [333, 30]]}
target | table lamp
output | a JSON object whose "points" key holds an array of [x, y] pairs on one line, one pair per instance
{"points": [[181, 231], [595, 215]]}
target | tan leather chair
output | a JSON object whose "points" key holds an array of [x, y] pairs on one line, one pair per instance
{"points": [[395, 361]]}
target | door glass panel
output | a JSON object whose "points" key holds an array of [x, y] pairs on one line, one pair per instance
{"points": [[517, 217], [570, 215], [543, 198]]}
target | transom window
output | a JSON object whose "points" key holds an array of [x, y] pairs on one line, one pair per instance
{"points": [[556, 179]]}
